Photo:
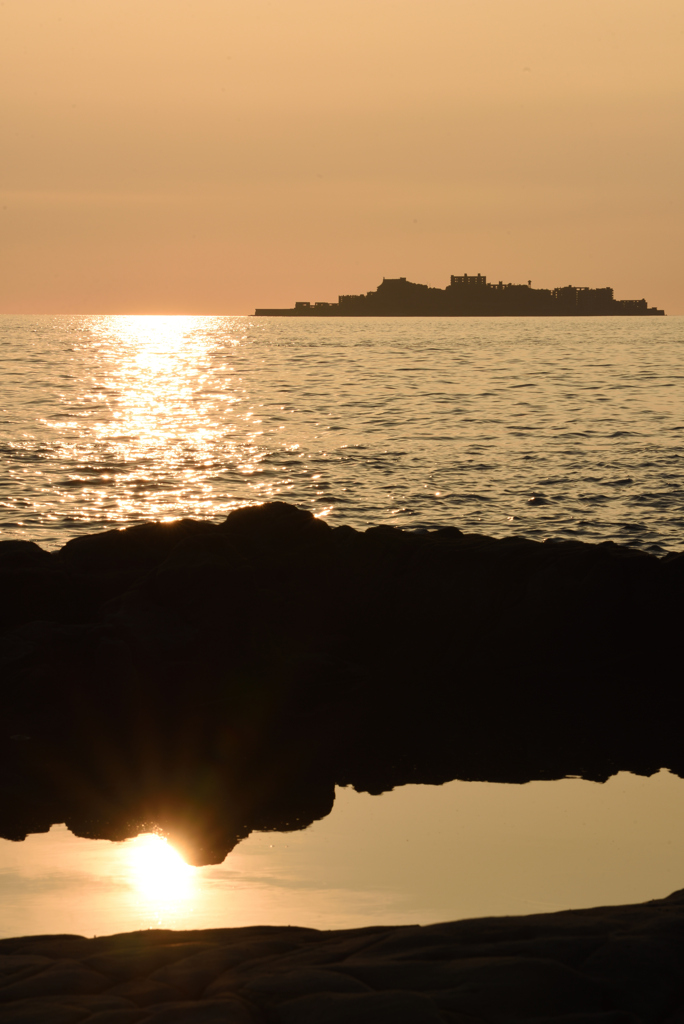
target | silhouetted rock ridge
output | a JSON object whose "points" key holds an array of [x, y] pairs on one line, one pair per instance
{"points": [[214, 679]]}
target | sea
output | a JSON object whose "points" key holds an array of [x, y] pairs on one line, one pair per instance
{"points": [[545, 427], [536, 427]]}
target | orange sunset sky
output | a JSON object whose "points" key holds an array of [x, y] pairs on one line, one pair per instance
{"points": [[209, 156]]}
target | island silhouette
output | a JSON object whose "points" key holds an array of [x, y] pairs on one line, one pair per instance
{"points": [[472, 295]]}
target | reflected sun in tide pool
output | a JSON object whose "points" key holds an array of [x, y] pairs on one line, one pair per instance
{"points": [[158, 872], [416, 855]]}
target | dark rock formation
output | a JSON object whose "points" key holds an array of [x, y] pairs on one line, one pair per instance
{"points": [[213, 679], [609, 965]]}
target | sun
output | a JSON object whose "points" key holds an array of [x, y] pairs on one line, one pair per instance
{"points": [[157, 870]]}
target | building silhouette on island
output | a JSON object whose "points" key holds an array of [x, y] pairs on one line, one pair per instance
{"points": [[472, 295]]}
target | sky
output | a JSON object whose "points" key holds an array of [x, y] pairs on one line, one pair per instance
{"points": [[211, 156]]}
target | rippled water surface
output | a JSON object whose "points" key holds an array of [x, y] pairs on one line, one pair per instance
{"points": [[543, 427]]}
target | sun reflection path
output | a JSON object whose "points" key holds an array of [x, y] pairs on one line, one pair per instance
{"points": [[159, 874], [168, 419], [161, 417]]}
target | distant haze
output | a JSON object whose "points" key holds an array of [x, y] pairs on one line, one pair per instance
{"points": [[210, 156]]}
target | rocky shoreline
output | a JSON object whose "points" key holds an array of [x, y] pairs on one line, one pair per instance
{"points": [[607, 965], [211, 679], [214, 679]]}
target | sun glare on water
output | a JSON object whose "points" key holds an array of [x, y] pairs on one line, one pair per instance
{"points": [[158, 871]]}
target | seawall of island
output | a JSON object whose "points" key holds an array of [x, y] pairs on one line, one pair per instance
{"points": [[472, 295]]}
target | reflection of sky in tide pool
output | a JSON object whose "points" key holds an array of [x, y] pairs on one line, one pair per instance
{"points": [[416, 855]]}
